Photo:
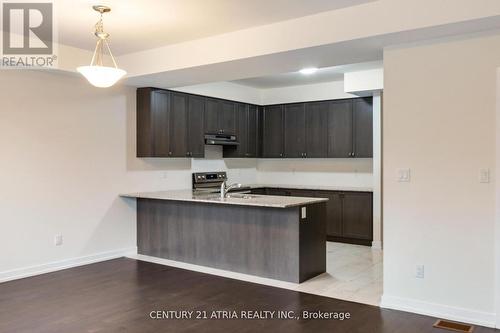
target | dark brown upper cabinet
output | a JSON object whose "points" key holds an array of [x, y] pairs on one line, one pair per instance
{"points": [[173, 124], [246, 132], [316, 115], [212, 111], [272, 123], [153, 123], [294, 130], [253, 134], [350, 128], [195, 126], [340, 131], [168, 124], [363, 127], [220, 116], [178, 125], [227, 117]]}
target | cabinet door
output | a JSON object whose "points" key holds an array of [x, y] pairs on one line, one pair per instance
{"points": [[340, 129], [363, 127], [252, 140], [178, 125], [212, 110], [333, 213], [144, 131], [260, 131], [357, 221], [294, 128], [316, 129], [195, 127], [160, 123], [241, 133], [272, 145], [227, 117]]}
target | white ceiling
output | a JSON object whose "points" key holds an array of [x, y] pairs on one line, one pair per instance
{"points": [[139, 25], [326, 74]]}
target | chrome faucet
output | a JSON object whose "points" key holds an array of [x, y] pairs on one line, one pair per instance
{"points": [[224, 189]]}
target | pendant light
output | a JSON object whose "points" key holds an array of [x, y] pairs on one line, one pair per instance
{"points": [[97, 74]]}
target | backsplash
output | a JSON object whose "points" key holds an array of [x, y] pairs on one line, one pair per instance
{"points": [[327, 172]]}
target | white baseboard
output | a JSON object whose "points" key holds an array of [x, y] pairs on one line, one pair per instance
{"points": [[63, 264], [439, 311], [377, 245], [218, 272]]}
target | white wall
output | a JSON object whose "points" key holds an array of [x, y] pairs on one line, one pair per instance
{"points": [[309, 92], [377, 171], [326, 172], [364, 82], [497, 213], [225, 90], [68, 150], [439, 121]]}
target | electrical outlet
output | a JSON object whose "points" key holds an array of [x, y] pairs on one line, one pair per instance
{"points": [[484, 175], [58, 240], [403, 175], [420, 272]]}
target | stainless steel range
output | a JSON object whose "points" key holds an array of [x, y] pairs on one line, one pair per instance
{"points": [[208, 181], [211, 182]]}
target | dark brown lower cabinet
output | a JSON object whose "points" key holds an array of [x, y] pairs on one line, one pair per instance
{"points": [[333, 213], [349, 215], [357, 217]]}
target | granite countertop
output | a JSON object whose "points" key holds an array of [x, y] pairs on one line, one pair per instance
{"points": [[232, 199], [313, 187]]}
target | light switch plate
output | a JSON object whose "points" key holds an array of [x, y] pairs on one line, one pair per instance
{"points": [[58, 240], [420, 272], [484, 175], [403, 175]]}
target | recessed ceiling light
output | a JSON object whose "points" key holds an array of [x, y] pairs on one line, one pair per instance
{"points": [[308, 71]]}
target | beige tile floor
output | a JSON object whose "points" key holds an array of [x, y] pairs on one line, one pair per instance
{"points": [[353, 272]]}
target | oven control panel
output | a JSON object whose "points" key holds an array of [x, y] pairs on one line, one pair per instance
{"points": [[208, 179]]}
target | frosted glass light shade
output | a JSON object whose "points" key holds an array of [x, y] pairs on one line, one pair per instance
{"points": [[101, 76]]}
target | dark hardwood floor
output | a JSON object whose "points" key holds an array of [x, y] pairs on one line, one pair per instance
{"points": [[118, 296]]}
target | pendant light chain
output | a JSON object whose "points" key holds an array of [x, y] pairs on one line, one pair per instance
{"points": [[98, 56], [98, 74]]}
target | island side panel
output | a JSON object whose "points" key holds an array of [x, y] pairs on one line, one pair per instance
{"points": [[313, 241], [260, 241]]}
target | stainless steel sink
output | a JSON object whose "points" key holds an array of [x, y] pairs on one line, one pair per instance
{"points": [[242, 196]]}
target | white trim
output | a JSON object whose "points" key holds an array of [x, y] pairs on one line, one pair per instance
{"points": [[439, 310], [496, 176], [377, 171], [24, 272], [216, 271]]}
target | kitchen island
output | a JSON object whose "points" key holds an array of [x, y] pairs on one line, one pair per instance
{"points": [[282, 238]]}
